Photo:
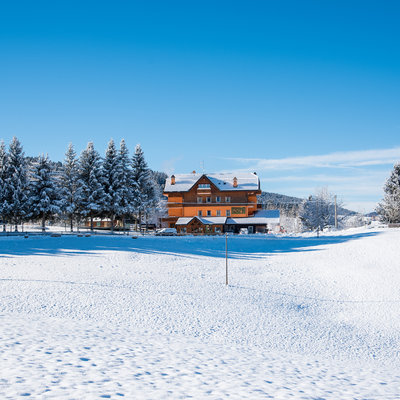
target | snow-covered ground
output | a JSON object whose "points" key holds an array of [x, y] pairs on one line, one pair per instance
{"points": [[151, 318]]}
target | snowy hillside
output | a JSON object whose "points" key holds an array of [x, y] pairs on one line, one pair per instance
{"points": [[290, 204], [112, 317]]}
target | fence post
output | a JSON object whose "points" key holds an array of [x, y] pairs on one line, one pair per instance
{"points": [[226, 258]]}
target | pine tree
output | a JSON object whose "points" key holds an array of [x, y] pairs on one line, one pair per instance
{"points": [[142, 185], [44, 201], [126, 192], [17, 183], [389, 208], [159, 205], [4, 207], [91, 198], [112, 183], [69, 184]]}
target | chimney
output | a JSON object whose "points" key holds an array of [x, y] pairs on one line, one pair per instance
{"points": [[235, 182], [193, 172], [172, 179]]}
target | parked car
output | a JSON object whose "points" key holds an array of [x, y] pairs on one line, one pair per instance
{"points": [[166, 232]]}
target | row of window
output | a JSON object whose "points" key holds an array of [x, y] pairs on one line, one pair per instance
{"points": [[217, 199], [218, 213]]}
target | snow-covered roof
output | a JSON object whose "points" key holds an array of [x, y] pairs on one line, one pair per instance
{"points": [[223, 181], [272, 215], [203, 220], [248, 221], [183, 221], [212, 220], [261, 217]]}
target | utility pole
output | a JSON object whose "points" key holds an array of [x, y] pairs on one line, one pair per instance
{"points": [[336, 224], [226, 258]]}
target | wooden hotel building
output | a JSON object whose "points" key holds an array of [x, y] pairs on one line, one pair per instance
{"points": [[214, 203]]}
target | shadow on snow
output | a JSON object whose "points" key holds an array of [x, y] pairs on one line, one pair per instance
{"points": [[239, 247]]}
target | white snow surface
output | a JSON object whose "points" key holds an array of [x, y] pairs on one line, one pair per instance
{"points": [[151, 318]]}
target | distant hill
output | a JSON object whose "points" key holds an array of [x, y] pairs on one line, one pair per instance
{"points": [[289, 204], [276, 198]]}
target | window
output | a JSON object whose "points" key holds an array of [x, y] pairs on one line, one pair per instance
{"points": [[218, 213], [199, 200], [204, 186], [183, 230], [208, 213], [200, 213], [217, 229], [218, 199], [228, 213], [228, 199], [208, 200]]}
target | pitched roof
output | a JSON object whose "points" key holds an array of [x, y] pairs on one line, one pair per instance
{"points": [[262, 217], [223, 181], [183, 221], [248, 221], [203, 220]]}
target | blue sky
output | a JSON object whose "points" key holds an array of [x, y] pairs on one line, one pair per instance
{"points": [[306, 93]]}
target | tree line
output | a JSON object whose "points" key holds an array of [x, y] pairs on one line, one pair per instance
{"points": [[82, 188]]}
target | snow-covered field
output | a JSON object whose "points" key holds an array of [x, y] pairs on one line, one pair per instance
{"points": [[112, 317]]}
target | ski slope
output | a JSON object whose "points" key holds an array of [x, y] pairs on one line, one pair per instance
{"points": [[112, 317]]}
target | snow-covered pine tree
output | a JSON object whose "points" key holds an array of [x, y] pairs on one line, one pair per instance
{"points": [[44, 200], [142, 184], [125, 178], [91, 199], [389, 208], [68, 182], [112, 183], [152, 198], [17, 184], [159, 206], [3, 184]]}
